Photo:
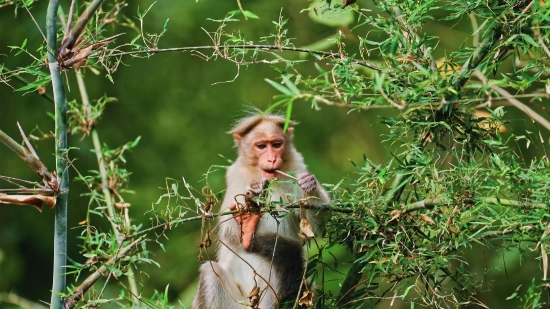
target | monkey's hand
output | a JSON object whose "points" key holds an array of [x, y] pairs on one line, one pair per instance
{"points": [[306, 181], [248, 221], [256, 187]]}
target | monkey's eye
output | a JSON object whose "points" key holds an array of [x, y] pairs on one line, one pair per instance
{"points": [[277, 144], [261, 146]]}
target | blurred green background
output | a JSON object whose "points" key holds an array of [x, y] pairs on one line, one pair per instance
{"points": [[170, 101]]}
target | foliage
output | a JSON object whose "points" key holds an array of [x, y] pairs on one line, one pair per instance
{"points": [[458, 178]]}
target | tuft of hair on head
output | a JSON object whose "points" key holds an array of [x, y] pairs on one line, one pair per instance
{"points": [[246, 124]]}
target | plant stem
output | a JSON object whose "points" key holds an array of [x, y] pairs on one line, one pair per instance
{"points": [[60, 235], [351, 282], [105, 181], [33, 161], [476, 58], [254, 46], [79, 26], [79, 292]]}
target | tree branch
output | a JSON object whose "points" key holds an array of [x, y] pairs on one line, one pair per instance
{"points": [[32, 160], [264, 47], [476, 58], [71, 301], [518, 104]]}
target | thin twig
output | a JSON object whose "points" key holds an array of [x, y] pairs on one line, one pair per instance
{"points": [[241, 9], [37, 26], [285, 174], [523, 12], [15, 73], [104, 179], [407, 30], [77, 294], [29, 146], [12, 298], [69, 19], [297, 205], [33, 161], [541, 40], [41, 191], [522, 107], [263, 47]]}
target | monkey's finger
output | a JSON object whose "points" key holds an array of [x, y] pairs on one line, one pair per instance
{"points": [[307, 182], [305, 178]]}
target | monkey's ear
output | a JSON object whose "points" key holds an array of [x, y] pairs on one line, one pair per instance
{"points": [[289, 130], [238, 138]]}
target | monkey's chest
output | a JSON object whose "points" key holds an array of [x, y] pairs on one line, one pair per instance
{"points": [[285, 225]]}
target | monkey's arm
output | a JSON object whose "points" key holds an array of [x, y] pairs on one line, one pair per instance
{"points": [[318, 197]]}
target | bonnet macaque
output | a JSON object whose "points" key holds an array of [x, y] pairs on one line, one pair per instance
{"points": [[260, 260]]}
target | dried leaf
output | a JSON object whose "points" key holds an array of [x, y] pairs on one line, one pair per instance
{"points": [[80, 57], [396, 213], [306, 299], [254, 297], [122, 205], [36, 200], [255, 292], [427, 219], [306, 230]]}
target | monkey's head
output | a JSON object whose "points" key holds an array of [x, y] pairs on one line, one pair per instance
{"points": [[262, 142]]}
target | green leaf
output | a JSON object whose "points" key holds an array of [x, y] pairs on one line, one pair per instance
{"points": [[36, 72], [290, 85], [36, 84], [135, 142], [278, 86], [117, 272], [529, 39], [287, 116], [278, 103], [147, 11], [250, 14], [135, 39], [166, 24], [321, 12]]}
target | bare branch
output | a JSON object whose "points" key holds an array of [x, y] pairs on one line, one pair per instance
{"points": [[33, 161], [262, 47]]}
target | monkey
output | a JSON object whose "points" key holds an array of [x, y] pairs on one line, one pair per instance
{"points": [[260, 260]]}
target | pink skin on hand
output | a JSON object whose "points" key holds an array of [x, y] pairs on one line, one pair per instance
{"points": [[248, 222], [306, 181]]}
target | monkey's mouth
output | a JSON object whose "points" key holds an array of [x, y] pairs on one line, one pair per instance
{"points": [[272, 173]]}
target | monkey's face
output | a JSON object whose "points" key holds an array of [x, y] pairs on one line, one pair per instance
{"points": [[269, 153]]}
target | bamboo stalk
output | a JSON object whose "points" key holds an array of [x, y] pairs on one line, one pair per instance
{"points": [[60, 235]]}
